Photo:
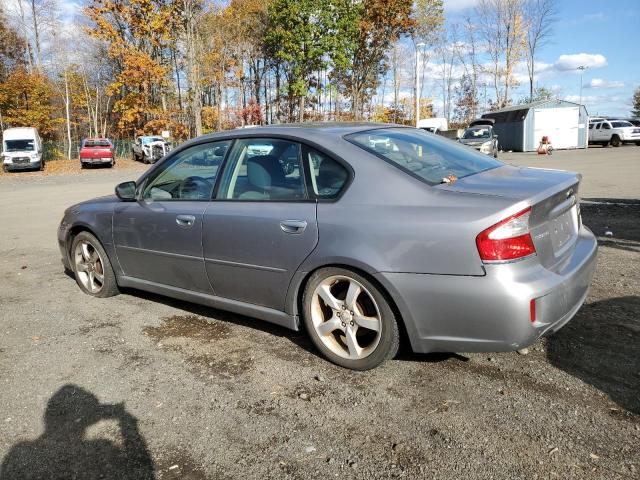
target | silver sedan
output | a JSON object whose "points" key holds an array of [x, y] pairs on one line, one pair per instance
{"points": [[354, 232]]}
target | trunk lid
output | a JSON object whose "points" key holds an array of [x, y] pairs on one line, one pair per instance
{"points": [[553, 197]]}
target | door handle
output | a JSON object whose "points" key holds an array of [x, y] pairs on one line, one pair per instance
{"points": [[293, 226], [185, 220]]}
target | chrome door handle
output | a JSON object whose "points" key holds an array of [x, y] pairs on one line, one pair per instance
{"points": [[293, 226], [185, 220]]}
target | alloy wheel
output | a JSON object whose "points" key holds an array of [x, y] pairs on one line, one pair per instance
{"points": [[89, 266], [346, 317]]}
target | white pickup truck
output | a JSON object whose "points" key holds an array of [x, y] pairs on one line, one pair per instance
{"points": [[614, 132]]}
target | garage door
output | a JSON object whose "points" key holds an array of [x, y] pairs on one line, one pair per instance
{"points": [[559, 124]]}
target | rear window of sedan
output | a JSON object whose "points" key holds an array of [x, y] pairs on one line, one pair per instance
{"points": [[428, 157]]}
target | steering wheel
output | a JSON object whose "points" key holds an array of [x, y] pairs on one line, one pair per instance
{"points": [[196, 188]]}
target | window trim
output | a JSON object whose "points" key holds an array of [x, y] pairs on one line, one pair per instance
{"points": [[143, 179], [152, 174]]}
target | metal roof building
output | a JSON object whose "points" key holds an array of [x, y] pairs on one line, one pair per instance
{"points": [[521, 127]]}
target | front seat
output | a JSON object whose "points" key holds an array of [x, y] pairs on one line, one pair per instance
{"points": [[266, 179]]}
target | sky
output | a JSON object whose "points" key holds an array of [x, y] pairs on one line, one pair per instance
{"points": [[603, 35]]}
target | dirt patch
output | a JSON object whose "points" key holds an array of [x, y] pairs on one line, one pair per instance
{"points": [[189, 326], [180, 465], [192, 336]]}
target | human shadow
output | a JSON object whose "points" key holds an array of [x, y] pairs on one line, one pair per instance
{"points": [[601, 346], [64, 452]]}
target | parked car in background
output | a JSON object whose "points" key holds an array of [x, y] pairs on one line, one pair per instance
{"points": [[481, 136], [22, 149], [614, 132], [433, 125], [458, 250], [634, 121], [149, 149], [97, 151]]}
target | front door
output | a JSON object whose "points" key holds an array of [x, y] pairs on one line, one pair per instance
{"points": [[159, 237], [262, 224]]}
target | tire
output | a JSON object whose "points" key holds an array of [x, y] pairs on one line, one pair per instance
{"points": [[89, 280], [41, 167], [615, 141], [372, 347], [637, 144], [134, 157]]}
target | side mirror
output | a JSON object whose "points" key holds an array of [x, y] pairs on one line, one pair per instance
{"points": [[126, 191]]}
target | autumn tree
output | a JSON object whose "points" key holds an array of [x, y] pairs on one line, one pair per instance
{"points": [[136, 34], [502, 28], [466, 101], [12, 48], [26, 101]]}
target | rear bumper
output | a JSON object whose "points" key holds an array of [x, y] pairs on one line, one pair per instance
{"points": [[96, 161], [492, 313]]}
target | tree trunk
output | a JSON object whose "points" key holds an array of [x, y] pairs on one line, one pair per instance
{"points": [[67, 101], [36, 34]]}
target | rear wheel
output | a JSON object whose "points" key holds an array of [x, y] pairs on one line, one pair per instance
{"points": [[638, 144], [615, 141], [349, 320], [91, 266]]}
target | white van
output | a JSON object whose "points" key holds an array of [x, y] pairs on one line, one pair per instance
{"points": [[21, 149]]}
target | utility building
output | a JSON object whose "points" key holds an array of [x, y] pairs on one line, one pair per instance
{"points": [[521, 127]]}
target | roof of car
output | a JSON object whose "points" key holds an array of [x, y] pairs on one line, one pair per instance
{"points": [[307, 131]]}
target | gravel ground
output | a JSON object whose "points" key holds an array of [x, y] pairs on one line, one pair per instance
{"points": [[141, 386]]}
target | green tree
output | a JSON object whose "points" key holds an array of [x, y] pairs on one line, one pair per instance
{"points": [[636, 103], [298, 40], [539, 94], [365, 44]]}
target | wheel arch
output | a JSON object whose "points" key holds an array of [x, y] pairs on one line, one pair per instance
{"points": [[297, 288], [73, 233]]}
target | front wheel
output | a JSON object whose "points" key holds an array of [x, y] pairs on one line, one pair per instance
{"points": [[615, 141], [91, 266], [349, 320]]}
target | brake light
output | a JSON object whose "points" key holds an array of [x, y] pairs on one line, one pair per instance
{"points": [[507, 240]]}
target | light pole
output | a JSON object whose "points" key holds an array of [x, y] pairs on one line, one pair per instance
{"points": [[418, 47], [582, 68]]}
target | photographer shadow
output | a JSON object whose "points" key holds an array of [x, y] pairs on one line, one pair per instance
{"points": [[63, 451]]}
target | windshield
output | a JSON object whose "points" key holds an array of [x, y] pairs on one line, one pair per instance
{"points": [[19, 145], [476, 133], [97, 143], [148, 140], [621, 124], [428, 157]]}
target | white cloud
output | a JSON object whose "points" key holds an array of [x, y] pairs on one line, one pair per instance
{"points": [[457, 5], [600, 83], [573, 61]]}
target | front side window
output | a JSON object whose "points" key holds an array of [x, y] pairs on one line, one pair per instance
{"points": [[327, 176], [188, 175], [427, 157], [263, 169], [606, 126]]}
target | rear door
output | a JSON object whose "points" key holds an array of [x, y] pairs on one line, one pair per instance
{"points": [[262, 224], [159, 237]]}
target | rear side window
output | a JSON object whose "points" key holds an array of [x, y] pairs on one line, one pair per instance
{"points": [[97, 144], [427, 157], [328, 177]]}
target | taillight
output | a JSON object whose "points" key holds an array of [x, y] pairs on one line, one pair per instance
{"points": [[508, 239]]}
